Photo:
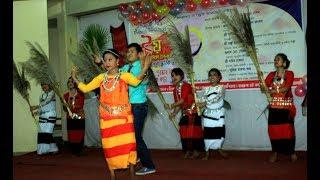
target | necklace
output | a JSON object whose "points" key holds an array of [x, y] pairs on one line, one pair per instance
{"points": [[278, 80], [114, 81], [179, 87], [72, 98]]}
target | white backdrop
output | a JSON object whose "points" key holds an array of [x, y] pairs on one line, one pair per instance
{"points": [[243, 130]]}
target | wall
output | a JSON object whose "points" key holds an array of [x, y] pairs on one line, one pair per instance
{"points": [[29, 24]]}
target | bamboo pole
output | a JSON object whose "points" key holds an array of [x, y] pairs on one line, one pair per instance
{"points": [[164, 102], [194, 93], [253, 56]]}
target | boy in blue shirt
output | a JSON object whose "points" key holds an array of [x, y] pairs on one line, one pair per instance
{"points": [[138, 100]]}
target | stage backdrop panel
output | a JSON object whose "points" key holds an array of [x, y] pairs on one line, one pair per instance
{"points": [[275, 31]]}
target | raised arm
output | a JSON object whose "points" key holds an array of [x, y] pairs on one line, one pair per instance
{"points": [[94, 84], [134, 81]]}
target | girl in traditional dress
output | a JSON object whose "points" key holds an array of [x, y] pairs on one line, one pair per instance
{"points": [[213, 115], [190, 123], [281, 109], [76, 124], [116, 119], [47, 120]]}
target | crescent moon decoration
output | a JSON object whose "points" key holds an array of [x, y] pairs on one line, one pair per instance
{"points": [[198, 34], [198, 50]]}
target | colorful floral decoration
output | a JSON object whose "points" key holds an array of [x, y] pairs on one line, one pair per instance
{"points": [[146, 11]]}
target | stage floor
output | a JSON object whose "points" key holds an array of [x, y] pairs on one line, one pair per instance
{"points": [[170, 165]]}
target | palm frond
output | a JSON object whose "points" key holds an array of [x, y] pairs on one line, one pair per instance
{"points": [[87, 69], [95, 32], [182, 53], [226, 105], [240, 27], [155, 87], [22, 85], [20, 82], [180, 45], [153, 80], [152, 110], [264, 111], [37, 67], [93, 43]]}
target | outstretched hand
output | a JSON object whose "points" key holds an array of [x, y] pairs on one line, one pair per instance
{"points": [[74, 72], [167, 106], [97, 59], [172, 116], [147, 61]]}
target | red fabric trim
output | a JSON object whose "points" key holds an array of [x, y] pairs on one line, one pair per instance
{"points": [[293, 112], [75, 136], [119, 41], [289, 78], [282, 131], [79, 103], [191, 132], [117, 130], [119, 150], [186, 95]]}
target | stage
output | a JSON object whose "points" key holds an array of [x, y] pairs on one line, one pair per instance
{"points": [[169, 165]]}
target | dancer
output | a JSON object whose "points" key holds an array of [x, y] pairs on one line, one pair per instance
{"points": [[213, 115], [47, 120], [190, 123], [76, 124], [116, 119], [281, 109], [138, 100]]}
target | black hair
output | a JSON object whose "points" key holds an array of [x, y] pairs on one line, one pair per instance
{"points": [[135, 45], [178, 71], [74, 83], [44, 83], [285, 59], [215, 70], [114, 52]]}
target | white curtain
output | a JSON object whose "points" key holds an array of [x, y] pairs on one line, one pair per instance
{"points": [[92, 136]]}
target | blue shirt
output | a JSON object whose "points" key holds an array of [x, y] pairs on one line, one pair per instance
{"points": [[138, 93]]}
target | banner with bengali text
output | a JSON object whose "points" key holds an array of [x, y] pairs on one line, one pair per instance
{"points": [[275, 31]]}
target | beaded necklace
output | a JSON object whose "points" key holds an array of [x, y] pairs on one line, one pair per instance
{"points": [[72, 98], [179, 87], [277, 81], [114, 82]]}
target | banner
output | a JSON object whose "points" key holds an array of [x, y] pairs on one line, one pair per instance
{"points": [[275, 31], [119, 41]]}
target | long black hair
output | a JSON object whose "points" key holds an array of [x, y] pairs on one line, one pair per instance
{"points": [[285, 59], [114, 52], [178, 71]]}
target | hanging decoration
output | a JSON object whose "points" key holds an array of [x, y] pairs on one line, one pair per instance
{"points": [[146, 11]]}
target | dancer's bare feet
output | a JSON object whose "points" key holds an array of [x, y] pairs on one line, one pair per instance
{"points": [[273, 158], [223, 154], [294, 157], [206, 157], [187, 155], [195, 155]]}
